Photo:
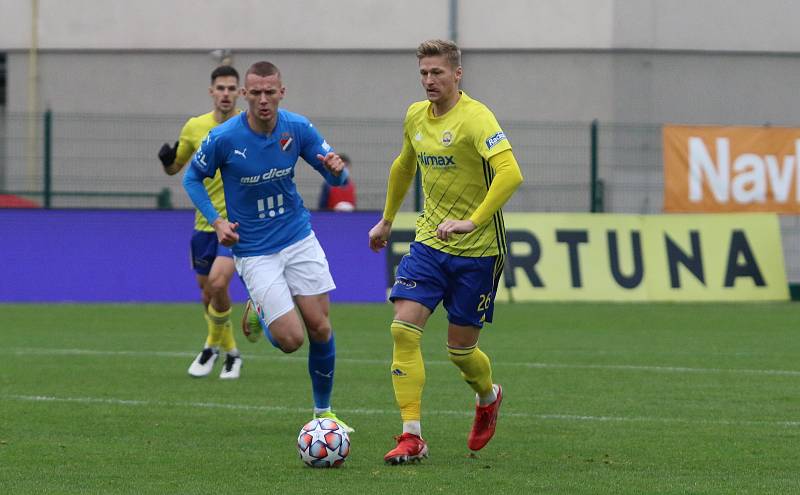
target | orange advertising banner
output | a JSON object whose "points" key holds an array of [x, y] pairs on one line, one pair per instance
{"points": [[731, 169]]}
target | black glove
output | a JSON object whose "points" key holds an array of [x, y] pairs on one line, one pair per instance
{"points": [[167, 154]]}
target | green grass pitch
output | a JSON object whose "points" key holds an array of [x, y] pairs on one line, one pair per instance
{"points": [[599, 399]]}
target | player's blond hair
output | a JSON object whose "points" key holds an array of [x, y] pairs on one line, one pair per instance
{"points": [[435, 48]]}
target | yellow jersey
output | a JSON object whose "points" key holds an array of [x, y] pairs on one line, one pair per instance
{"points": [[452, 152], [192, 134]]}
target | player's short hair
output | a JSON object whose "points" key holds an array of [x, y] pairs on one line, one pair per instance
{"points": [[224, 71], [263, 69], [345, 158], [435, 48]]}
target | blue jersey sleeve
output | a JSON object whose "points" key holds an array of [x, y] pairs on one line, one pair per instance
{"points": [[204, 164], [193, 184], [205, 160], [314, 144]]}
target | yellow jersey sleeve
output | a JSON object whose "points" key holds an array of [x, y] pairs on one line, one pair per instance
{"points": [[507, 178], [490, 140], [192, 134], [401, 175], [187, 142]]}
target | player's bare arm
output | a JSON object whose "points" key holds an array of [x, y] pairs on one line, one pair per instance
{"points": [[332, 162], [449, 227], [379, 235], [226, 231]]}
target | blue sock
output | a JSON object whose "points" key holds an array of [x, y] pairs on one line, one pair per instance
{"points": [[321, 363]]}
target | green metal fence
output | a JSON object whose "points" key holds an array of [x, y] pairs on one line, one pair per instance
{"points": [[78, 161], [57, 160], [62, 160]]}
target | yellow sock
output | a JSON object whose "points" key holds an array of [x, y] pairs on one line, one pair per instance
{"points": [[475, 368], [216, 325], [228, 342], [408, 370]]}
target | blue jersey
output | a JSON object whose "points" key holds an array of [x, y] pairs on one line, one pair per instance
{"points": [[258, 179]]}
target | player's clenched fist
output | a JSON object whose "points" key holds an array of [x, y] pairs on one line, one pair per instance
{"points": [[226, 232], [332, 162], [449, 227], [379, 235], [167, 154]]}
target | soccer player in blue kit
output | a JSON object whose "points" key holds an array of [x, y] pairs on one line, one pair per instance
{"points": [[275, 251]]}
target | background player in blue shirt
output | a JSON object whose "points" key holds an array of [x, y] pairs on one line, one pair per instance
{"points": [[275, 251]]}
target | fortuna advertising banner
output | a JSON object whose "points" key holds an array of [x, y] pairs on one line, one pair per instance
{"points": [[731, 169], [607, 257]]}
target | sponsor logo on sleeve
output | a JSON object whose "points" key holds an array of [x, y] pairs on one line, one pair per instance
{"points": [[200, 159], [496, 138], [326, 146]]}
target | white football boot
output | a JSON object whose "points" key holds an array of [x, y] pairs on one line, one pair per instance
{"points": [[231, 368], [203, 363]]}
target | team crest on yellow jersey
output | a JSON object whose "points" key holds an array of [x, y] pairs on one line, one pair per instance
{"points": [[447, 138]]}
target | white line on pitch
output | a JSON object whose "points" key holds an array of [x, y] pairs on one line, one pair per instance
{"points": [[496, 363], [439, 412]]}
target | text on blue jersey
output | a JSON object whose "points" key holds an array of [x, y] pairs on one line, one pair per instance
{"points": [[258, 179]]}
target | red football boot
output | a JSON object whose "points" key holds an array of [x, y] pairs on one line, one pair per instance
{"points": [[485, 422], [409, 448]]}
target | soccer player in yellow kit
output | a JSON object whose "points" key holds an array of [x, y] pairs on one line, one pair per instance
{"points": [[468, 173], [212, 262]]}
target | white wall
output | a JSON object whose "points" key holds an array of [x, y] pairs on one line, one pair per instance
{"points": [[539, 86], [763, 26], [239, 24], [712, 25]]}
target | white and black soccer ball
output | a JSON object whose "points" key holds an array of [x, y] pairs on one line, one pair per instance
{"points": [[323, 443]]}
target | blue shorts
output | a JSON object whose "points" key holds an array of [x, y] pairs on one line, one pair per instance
{"points": [[205, 248], [466, 286]]}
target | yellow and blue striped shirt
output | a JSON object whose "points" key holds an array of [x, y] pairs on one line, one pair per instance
{"points": [[452, 152]]}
